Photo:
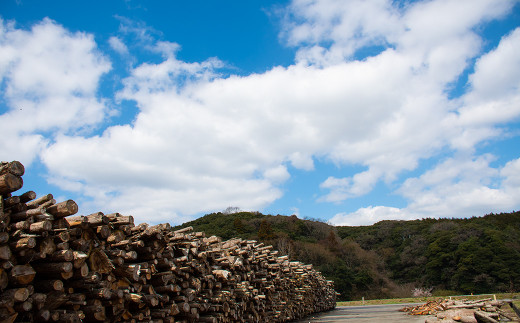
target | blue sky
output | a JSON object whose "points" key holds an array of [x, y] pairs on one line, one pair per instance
{"points": [[347, 111]]}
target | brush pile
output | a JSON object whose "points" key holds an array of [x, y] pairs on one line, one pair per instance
{"points": [[56, 266], [474, 311]]}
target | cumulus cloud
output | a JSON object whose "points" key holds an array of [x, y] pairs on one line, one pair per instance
{"points": [[465, 185], [49, 81], [201, 142], [461, 186]]}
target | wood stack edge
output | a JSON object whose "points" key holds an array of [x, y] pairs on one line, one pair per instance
{"points": [[56, 266]]}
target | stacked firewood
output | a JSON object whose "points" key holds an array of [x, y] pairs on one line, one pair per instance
{"points": [[469, 311], [56, 266]]}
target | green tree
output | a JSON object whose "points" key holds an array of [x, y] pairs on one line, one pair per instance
{"points": [[265, 232]]}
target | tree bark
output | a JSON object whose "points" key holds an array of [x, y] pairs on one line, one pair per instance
{"points": [[10, 183]]}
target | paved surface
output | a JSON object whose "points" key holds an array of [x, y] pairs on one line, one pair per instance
{"points": [[368, 313]]}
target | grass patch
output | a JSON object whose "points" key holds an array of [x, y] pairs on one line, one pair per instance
{"points": [[426, 299]]}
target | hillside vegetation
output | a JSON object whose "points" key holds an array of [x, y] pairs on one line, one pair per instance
{"points": [[390, 258]]}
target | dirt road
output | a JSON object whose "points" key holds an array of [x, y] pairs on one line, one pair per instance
{"points": [[369, 313]]}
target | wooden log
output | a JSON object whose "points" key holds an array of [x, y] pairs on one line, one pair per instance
{"points": [[100, 262], [37, 202], [22, 274], [70, 317], [23, 215], [119, 220], [47, 246], [94, 312], [131, 272], [61, 256], [39, 227], [48, 203], [21, 225], [515, 309], [482, 317], [78, 221], [63, 209], [14, 167], [44, 286], [54, 300], [96, 219], [4, 237], [42, 316], [53, 267], [23, 243], [27, 196], [63, 236], [15, 294], [115, 237], [81, 272], [183, 230], [10, 183], [4, 279], [5, 265], [5, 252], [8, 317], [11, 201], [23, 306]]}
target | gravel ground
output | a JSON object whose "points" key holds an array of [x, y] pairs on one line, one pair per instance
{"points": [[368, 313]]}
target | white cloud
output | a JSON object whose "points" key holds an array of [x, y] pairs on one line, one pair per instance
{"points": [[278, 174], [491, 80], [197, 132], [368, 216], [332, 30], [458, 187], [201, 142], [118, 45], [50, 78]]}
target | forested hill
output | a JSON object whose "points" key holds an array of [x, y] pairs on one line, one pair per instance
{"points": [[390, 258]]}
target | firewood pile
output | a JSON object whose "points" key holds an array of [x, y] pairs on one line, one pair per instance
{"points": [[474, 311], [56, 266]]}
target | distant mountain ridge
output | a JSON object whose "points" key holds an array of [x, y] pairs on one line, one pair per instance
{"points": [[390, 258]]}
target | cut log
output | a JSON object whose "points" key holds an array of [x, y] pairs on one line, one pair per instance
{"points": [[10, 183], [23, 215], [15, 294], [515, 309], [14, 167], [45, 286], [11, 201], [4, 280], [23, 307], [53, 267], [37, 202], [97, 218], [40, 227], [61, 256], [22, 274], [27, 196], [5, 252], [63, 209], [4, 237], [23, 243], [482, 317]]}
